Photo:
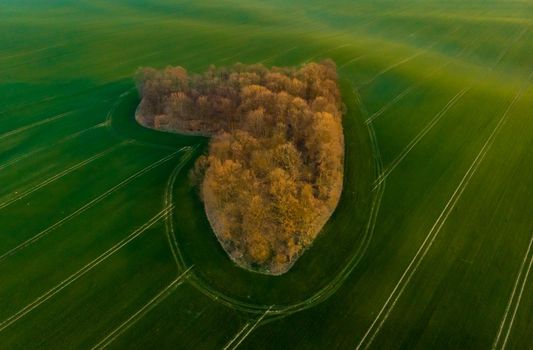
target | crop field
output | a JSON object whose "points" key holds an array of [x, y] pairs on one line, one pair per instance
{"points": [[105, 244]]}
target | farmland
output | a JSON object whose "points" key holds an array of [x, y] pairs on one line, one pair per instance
{"points": [[104, 243]]}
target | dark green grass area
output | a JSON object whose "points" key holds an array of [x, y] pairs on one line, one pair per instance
{"points": [[428, 248]]}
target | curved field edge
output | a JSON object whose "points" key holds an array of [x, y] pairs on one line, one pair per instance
{"points": [[320, 271], [315, 277]]}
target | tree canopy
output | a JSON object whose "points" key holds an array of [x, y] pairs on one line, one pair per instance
{"points": [[273, 175]]}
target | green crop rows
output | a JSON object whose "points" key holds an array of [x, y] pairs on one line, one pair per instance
{"points": [[104, 243]]}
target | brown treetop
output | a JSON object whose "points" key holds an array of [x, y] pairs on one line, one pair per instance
{"points": [[273, 174]]}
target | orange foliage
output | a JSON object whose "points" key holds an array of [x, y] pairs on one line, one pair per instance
{"points": [[273, 175]]}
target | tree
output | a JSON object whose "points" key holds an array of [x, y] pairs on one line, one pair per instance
{"points": [[273, 174]]}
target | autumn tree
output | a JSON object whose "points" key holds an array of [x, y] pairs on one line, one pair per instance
{"points": [[273, 174]]}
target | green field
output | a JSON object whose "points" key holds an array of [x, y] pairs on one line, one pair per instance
{"points": [[103, 242]]}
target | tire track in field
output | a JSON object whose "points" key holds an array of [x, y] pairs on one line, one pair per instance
{"points": [[335, 35], [37, 150], [362, 56], [156, 300], [506, 324], [424, 50], [61, 174], [394, 65], [321, 54], [405, 92], [467, 50], [417, 138], [376, 326], [169, 222], [36, 124], [419, 52], [514, 41], [250, 49], [88, 205], [404, 60], [355, 59], [234, 339], [278, 55], [392, 102], [30, 52], [421, 135], [81, 272], [231, 345]]}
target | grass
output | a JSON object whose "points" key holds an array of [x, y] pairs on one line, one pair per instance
{"points": [[434, 257]]}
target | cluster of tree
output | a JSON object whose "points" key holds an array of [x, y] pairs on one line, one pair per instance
{"points": [[273, 174]]}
